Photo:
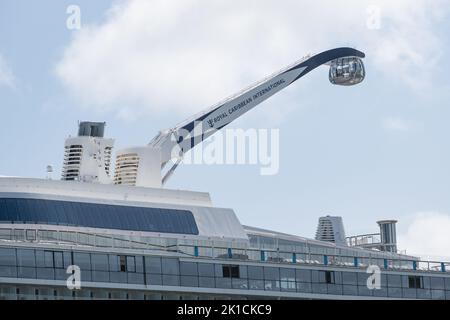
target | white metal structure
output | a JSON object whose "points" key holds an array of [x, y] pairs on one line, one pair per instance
{"points": [[331, 229], [173, 143], [87, 157]]}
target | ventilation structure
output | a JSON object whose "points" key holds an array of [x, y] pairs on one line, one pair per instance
{"points": [[87, 157], [331, 229], [126, 171], [72, 162]]}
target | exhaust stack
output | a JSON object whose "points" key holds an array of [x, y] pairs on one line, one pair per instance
{"points": [[388, 235]]}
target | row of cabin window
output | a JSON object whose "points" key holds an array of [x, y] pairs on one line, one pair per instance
{"points": [[414, 282], [171, 266], [62, 259]]}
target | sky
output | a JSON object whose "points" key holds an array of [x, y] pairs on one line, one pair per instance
{"points": [[369, 152]]}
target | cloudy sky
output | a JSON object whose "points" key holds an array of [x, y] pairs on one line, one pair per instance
{"points": [[378, 150]]}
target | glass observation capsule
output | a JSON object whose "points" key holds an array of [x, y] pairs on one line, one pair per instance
{"points": [[346, 71]]}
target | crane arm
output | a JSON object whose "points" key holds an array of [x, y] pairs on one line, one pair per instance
{"points": [[174, 142]]}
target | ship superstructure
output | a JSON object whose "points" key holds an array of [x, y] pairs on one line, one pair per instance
{"points": [[130, 238]]}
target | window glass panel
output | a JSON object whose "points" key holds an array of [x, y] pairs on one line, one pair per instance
{"points": [[113, 263], [239, 283], [188, 268], [255, 272], [52, 212], [154, 279], [7, 257], [122, 263], [303, 275], [48, 258], [31, 235], [99, 262], [40, 260], [256, 284], [135, 278], [437, 283], [67, 259], [11, 210], [170, 266], [26, 258], [189, 281], [243, 272], [287, 274], [272, 285], [131, 264], [82, 260], [139, 264], [304, 286], [394, 281], [206, 269], [223, 282], [326, 277], [438, 294], [349, 278], [58, 259], [153, 265], [171, 280], [271, 273], [230, 271], [206, 282]]}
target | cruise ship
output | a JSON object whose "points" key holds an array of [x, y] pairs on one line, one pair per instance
{"points": [[99, 233]]}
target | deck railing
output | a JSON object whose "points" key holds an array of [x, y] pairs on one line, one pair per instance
{"points": [[191, 248]]}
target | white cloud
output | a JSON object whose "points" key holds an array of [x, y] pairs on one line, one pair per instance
{"points": [[6, 75], [166, 56], [427, 235]]}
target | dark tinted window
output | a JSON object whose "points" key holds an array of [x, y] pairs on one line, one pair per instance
{"points": [[98, 215], [326, 276], [230, 271], [415, 282], [122, 263]]}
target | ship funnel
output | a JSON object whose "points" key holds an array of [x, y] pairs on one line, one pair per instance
{"points": [[91, 129], [331, 229], [87, 157], [388, 235]]}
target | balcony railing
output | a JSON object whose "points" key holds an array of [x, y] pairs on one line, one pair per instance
{"points": [[215, 250]]}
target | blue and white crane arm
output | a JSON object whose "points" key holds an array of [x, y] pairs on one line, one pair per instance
{"points": [[346, 68]]}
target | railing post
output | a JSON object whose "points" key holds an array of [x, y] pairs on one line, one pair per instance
{"points": [[196, 251], [325, 260]]}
